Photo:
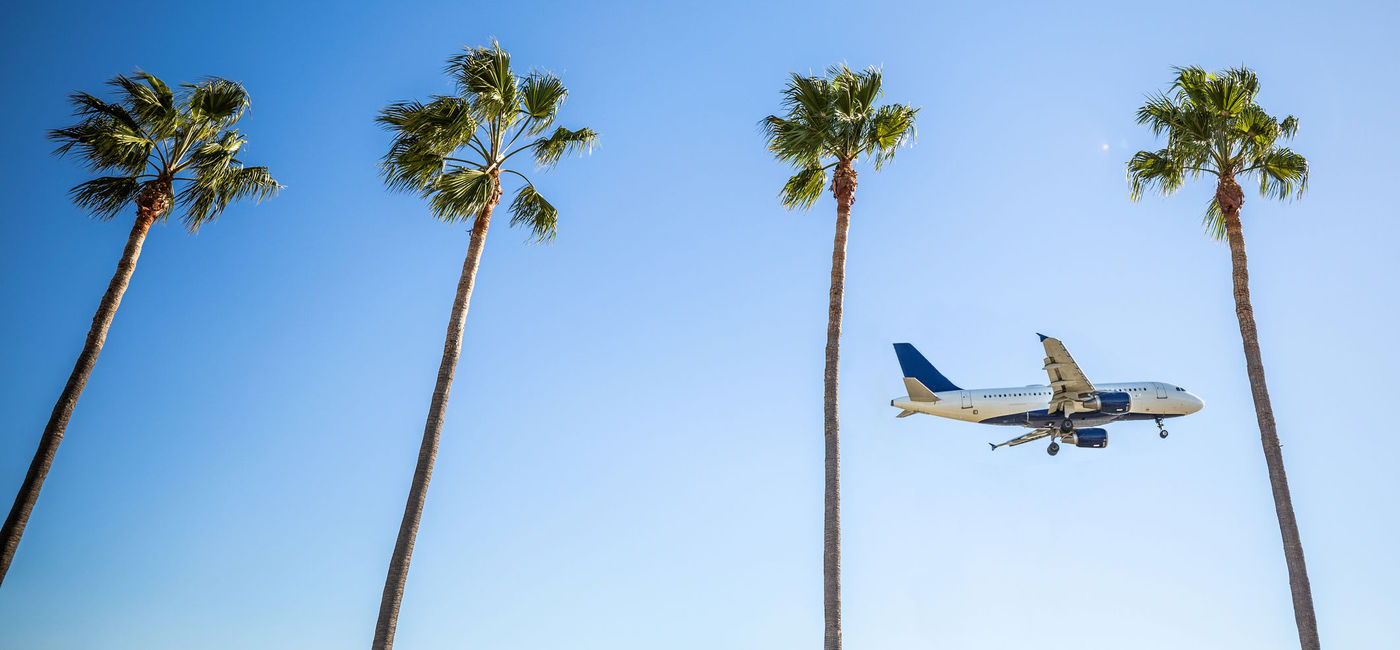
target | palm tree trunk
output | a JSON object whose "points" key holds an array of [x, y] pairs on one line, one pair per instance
{"points": [[1230, 198], [844, 187], [63, 410], [432, 432]]}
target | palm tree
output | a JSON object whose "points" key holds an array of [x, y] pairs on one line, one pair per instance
{"points": [[1214, 127], [452, 151], [832, 122], [164, 151]]}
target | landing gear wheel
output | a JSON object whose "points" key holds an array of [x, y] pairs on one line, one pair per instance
{"points": [[1053, 449], [1162, 433], [1066, 425]]}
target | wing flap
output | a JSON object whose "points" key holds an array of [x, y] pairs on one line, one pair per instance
{"points": [[1029, 437]]}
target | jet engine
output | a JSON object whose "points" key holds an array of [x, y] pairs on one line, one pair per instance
{"points": [[1109, 402], [1094, 438]]}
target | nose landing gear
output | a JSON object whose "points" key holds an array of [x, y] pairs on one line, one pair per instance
{"points": [[1161, 431]]}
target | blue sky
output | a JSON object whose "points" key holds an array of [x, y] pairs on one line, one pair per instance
{"points": [[632, 455]]}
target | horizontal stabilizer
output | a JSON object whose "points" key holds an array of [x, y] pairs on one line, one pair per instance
{"points": [[905, 413], [918, 392]]}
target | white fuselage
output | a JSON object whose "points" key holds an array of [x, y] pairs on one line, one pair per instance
{"points": [[1025, 405]]}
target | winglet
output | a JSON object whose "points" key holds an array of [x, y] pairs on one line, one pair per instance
{"points": [[994, 447], [1042, 336]]}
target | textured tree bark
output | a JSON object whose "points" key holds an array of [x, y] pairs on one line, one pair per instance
{"points": [[843, 185], [149, 209], [432, 431], [1230, 198]]}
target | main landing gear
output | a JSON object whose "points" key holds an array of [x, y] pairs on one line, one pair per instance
{"points": [[1066, 427], [1161, 431]]}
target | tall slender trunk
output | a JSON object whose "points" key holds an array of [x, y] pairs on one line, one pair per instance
{"points": [[68, 399], [844, 187], [432, 432], [1231, 198]]}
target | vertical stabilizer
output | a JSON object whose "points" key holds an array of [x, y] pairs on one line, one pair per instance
{"points": [[915, 366]]}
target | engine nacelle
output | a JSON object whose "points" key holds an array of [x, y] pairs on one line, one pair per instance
{"points": [[1093, 438], [1110, 402]]}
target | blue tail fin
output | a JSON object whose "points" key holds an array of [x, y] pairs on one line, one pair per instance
{"points": [[915, 365]]}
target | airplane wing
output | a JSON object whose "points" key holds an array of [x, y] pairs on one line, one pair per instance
{"points": [[1029, 437], [1066, 379]]}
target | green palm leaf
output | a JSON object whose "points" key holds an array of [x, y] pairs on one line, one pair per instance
{"points": [[549, 151], [462, 194], [531, 211], [107, 196], [804, 188], [541, 94]]}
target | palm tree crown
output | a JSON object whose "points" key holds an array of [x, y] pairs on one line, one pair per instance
{"points": [[152, 138], [1213, 126], [453, 149], [832, 120]]}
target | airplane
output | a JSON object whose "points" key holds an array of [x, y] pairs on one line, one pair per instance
{"points": [[1068, 409]]}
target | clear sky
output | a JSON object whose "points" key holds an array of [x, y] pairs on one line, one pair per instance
{"points": [[632, 455]]}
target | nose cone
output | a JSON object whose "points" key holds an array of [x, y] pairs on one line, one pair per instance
{"points": [[1193, 403]]}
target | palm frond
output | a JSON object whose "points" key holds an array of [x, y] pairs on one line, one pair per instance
{"points": [[89, 107], [105, 197], [1160, 113], [1214, 220], [411, 165], [807, 99], [152, 103], [541, 94], [803, 189], [531, 211], [461, 194], [484, 75], [1283, 174], [104, 144], [1159, 171], [446, 119], [549, 151], [856, 92], [891, 128], [1243, 81], [217, 102], [217, 185], [1255, 125], [797, 142], [424, 136], [1190, 85]]}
